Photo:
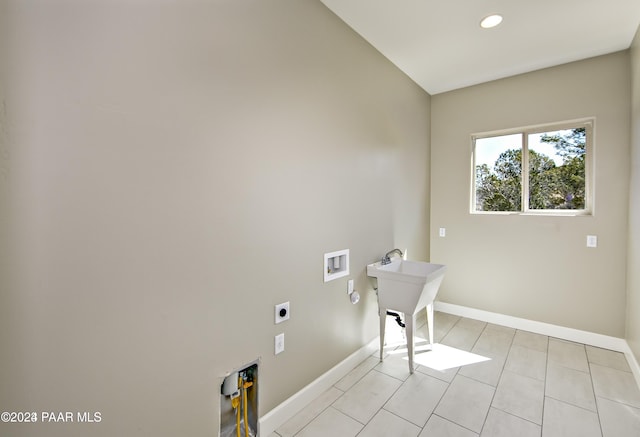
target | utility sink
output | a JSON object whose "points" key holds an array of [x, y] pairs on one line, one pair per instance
{"points": [[407, 287]]}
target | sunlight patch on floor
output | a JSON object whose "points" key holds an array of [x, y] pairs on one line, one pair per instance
{"points": [[439, 357]]}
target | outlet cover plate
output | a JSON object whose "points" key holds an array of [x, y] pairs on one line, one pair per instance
{"points": [[279, 343]]}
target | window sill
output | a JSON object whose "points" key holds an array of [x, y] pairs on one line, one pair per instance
{"points": [[543, 213]]}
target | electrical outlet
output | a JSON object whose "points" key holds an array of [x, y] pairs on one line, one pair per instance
{"points": [[592, 241], [282, 312], [443, 232], [279, 343]]}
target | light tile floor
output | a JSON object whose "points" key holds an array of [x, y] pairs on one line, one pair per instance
{"points": [[504, 382]]}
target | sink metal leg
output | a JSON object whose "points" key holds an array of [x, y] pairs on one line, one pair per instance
{"points": [[383, 320], [430, 323], [409, 320]]}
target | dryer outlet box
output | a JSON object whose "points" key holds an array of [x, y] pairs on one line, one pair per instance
{"points": [[282, 312]]}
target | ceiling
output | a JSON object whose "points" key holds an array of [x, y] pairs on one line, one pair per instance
{"points": [[441, 46]]}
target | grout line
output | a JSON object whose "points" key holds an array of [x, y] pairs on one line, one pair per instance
{"points": [[593, 389], [400, 417], [455, 423], [573, 405], [438, 403], [498, 383], [545, 397], [617, 402], [544, 389], [447, 382], [315, 416], [382, 407]]}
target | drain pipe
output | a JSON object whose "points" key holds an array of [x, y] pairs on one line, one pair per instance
{"points": [[398, 318], [392, 314]]}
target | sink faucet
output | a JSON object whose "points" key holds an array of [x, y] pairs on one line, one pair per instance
{"points": [[386, 259]]}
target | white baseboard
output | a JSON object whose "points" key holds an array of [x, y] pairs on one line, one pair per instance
{"points": [[633, 363], [576, 335], [290, 407]]}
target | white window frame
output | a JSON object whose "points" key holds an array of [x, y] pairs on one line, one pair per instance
{"points": [[587, 123]]}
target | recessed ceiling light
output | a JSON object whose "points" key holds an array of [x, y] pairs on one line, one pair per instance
{"points": [[491, 21]]}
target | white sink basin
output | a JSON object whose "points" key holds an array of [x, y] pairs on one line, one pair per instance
{"points": [[406, 286]]}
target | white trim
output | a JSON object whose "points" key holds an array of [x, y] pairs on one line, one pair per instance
{"points": [[633, 363], [537, 128], [576, 335], [588, 123], [291, 406]]}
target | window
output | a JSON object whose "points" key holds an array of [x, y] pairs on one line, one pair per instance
{"points": [[554, 176]]}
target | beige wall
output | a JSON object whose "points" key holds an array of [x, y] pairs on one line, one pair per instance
{"points": [[536, 267], [633, 274], [5, 310], [177, 168]]}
